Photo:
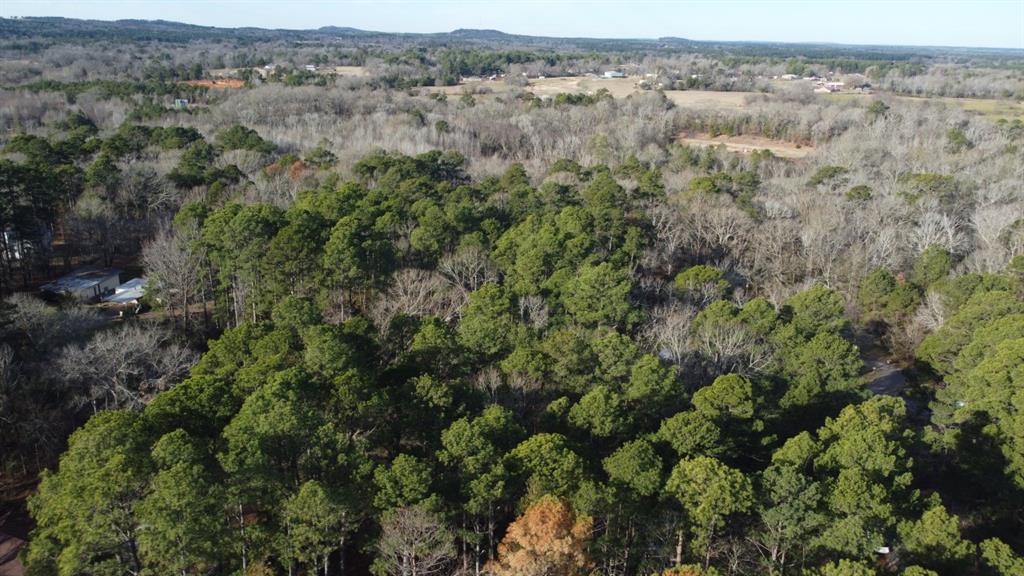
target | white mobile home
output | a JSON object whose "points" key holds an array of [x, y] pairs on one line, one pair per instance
{"points": [[86, 284]]}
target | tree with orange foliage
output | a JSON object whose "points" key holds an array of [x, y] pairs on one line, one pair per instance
{"points": [[547, 540]]}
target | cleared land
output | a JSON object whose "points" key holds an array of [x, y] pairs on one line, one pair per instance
{"points": [[346, 71], [748, 144], [617, 87], [709, 100], [225, 83]]}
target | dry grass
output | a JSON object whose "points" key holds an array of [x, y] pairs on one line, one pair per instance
{"points": [[707, 100]]}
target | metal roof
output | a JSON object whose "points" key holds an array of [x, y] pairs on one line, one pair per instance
{"points": [[81, 279], [130, 291]]}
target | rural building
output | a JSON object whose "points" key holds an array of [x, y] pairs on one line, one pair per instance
{"points": [[85, 284], [614, 74], [181, 103], [310, 68], [128, 295], [829, 87]]}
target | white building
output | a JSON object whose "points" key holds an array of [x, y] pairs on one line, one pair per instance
{"points": [[614, 74], [86, 284], [128, 293]]}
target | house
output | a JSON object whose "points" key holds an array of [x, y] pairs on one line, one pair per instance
{"points": [[789, 77], [310, 68], [85, 284], [614, 74], [181, 103]]}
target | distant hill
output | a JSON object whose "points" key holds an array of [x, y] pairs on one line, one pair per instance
{"points": [[65, 29]]}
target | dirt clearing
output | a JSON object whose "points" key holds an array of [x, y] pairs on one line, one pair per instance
{"points": [[225, 83], [747, 144]]}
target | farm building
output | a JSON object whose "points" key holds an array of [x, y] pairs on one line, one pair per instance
{"points": [[614, 74], [85, 284]]}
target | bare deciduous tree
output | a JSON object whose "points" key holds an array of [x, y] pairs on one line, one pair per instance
{"points": [[174, 262], [468, 269], [416, 292], [668, 332], [123, 367], [670, 232], [731, 347], [415, 542]]}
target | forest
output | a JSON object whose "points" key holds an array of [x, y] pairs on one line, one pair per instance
{"points": [[400, 323]]}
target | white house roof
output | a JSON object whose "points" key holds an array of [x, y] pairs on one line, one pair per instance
{"points": [[82, 279], [130, 291]]}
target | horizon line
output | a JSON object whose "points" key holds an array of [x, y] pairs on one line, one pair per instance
{"points": [[538, 36]]}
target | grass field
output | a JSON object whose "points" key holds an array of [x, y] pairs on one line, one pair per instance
{"points": [[1007, 109], [995, 109]]}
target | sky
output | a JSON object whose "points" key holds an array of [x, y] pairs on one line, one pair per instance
{"points": [[973, 23]]}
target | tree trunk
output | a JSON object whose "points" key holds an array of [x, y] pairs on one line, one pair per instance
{"points": [[341, 556], [679, 548], [241, 527]]}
